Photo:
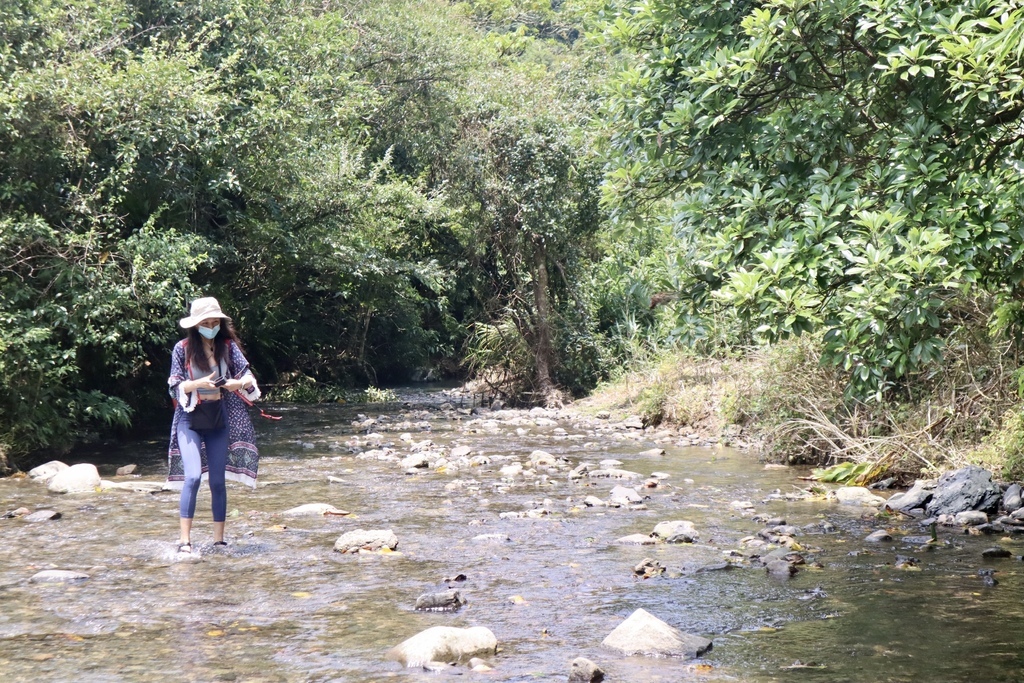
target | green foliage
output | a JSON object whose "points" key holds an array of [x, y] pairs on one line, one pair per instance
{"points": [[844, 167], [359, 183], [378, 395], [851, 473]]}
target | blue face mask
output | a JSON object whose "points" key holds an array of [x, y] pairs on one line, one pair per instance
{"points": [[209, 332]]}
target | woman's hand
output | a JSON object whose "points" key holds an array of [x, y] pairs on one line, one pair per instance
{"points": [[235, 384], [202, 383]]}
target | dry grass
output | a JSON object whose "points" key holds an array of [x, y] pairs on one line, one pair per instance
{"points": [[793, 409]]}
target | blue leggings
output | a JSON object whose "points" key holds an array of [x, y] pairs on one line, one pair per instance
{"points": [[216, 462]]}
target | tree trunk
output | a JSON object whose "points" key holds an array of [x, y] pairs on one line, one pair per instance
{"points": [[543, 351]]}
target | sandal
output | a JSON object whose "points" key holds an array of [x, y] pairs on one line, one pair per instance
{"points": [[185, 548], [216, 543]]}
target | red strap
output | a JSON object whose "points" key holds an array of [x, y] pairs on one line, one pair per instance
{"points": [[250, 403]]}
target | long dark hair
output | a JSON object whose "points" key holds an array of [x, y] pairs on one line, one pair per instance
{"points": [[197, 359]]}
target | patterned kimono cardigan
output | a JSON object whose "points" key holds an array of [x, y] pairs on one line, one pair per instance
{"points": [[243, 458]]}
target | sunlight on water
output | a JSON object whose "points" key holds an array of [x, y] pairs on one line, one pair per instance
{"points": [[278, 605]]}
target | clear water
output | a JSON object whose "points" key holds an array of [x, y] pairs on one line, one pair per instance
{"points": [[280, 605]]}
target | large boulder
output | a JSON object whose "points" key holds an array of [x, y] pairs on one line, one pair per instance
{"points": [[360, 539], [47, 471], [76, 479], [444, 644], [969, 488], [644, 634], [917, 497]]}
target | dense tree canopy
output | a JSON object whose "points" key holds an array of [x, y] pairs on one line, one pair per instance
{"points": [[303, 161], [850, 167]]}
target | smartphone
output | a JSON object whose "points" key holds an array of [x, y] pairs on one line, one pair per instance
{"points": [[219, 382]]}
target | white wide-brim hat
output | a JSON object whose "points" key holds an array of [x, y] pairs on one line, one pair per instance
{"points": [[202, 308]]}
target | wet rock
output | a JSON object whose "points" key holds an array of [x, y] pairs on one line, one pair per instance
{"points": [[652, 452], [905, 562], [42, 516], [47, 471], [742, 505], [79, 478], [644, 634], [314, 510], [445, 601], [636, 539], [364, 540], [610, 463], [415, 461], [542, 459], [492, 538], [480, 665], [648, 568], [20, 512], [444, 644], [58, 576], [511, 471], [1012, 498], [676, 531], [996, 553], [969, 488], [880, 536], [594, 502], [633, 422], [615, 474], [622, 495], [582, 670], [917, 497], [780, 569], [970, 518], [858, 495], [716, 567], [460, 452], [126, 470], [768, 520]]}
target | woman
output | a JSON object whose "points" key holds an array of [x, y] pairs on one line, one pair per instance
{"points": [[211, 435]]}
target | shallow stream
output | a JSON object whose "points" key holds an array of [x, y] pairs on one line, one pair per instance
{"points": [[279, 605]]}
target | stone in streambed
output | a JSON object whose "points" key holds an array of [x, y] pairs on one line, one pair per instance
{"points": [[126, 470], [970, 518], [996, 553], [366, 540], [880, 536], [917, 497], [652, 452], [858, 495], [79, 478], [314, 510], [644, 634], [444, 644], [47, 471], [780, 569], [636, 539], [615, 474], [676, 531], [621, 495], [1012, 498], [969, 488], [445, 601], [582, 670], [19, 512], [42, 516], [58, 576]]}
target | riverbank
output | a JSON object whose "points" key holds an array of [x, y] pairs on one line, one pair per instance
{"points": [[785, 407]]}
